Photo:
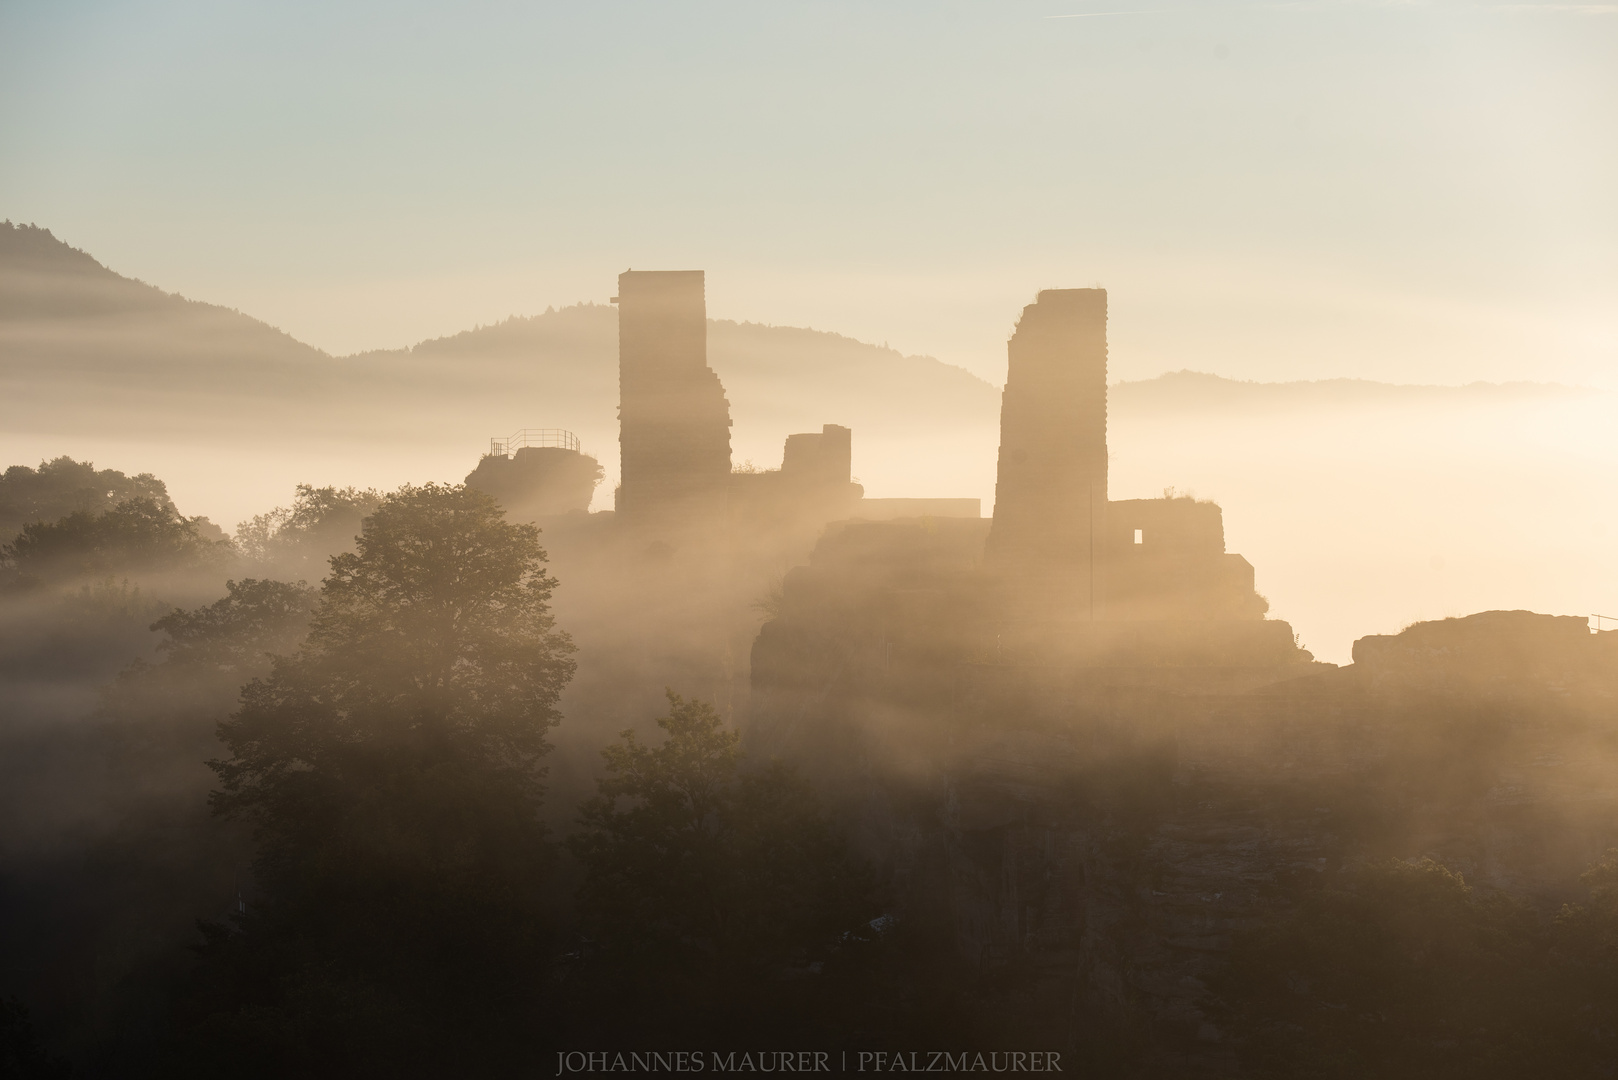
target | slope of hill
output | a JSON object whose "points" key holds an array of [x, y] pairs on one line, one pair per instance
{"points": [[1200, 392], [1364, 506], [560, 369], [83, 349], [79, 343]]}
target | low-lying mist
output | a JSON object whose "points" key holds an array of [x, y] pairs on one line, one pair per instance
{"points": [[1362, 508], [1366, 508], [317, 760]]}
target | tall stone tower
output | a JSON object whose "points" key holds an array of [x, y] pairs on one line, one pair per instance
{"points": [[673, 419], [1050, 495]]}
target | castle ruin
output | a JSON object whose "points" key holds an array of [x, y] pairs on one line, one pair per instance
{"points": [[1137, 584], [1058, 541], [1068, 735], [674, 420], [1051, 485]]}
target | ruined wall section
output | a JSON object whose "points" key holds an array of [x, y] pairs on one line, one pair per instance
{"points": [[823, 458], [776, 515], [1165, 559], [674, 420], [812, 486], [1051, 486]]}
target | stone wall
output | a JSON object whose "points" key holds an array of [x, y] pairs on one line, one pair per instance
{"points": [[674, 420], [1060, 545], [1165, 559], [1051, 484]]}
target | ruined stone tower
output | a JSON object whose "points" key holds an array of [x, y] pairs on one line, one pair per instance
{"points": [[674, 421], [1050, 493]]}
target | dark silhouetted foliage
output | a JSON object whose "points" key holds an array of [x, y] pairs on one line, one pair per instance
{"points": [[1405, 970], [137, 535], [391, 771], [1586, 940], [236, 633], [21, 1055], [712, 895], [170, 710], [85, 635], [64, 486], [112, 853], [297, 541]]}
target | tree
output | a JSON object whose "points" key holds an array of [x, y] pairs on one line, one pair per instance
{"points": [[709, 888], [123, 854], [297, 541], [137, 535], [237, 633], [1586, 943], [173, 707], [62, 486], [21, 1055], [391, 769]]}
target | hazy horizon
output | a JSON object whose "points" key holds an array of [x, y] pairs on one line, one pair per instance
{"points": [[550, 308], [1363, 506], [1078, 531], [1410, 192]]}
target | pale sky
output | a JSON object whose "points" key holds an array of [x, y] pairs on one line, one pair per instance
{"points": [[1409, 191]]}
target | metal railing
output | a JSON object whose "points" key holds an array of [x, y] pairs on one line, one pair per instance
{"points": [[1596, 621], [545, 436]]}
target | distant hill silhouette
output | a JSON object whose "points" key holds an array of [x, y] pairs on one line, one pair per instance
{"points": [[66, 319], [83, 346], [1363, 505], [84, 350], [1196, 391]]}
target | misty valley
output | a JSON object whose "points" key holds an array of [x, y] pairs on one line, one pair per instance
{"points": [[584, 762]]}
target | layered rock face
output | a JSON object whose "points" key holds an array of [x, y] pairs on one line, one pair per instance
{"points": [[538, 482]]}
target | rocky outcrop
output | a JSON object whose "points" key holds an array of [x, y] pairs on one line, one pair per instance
{"points": [[538, 482], [1097, 847]]}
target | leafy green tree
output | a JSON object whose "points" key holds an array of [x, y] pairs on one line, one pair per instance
{"points": [[391, 769], [709, 890]]}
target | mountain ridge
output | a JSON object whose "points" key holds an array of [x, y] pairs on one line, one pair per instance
{"points": [[33, 250], [85, 348]]}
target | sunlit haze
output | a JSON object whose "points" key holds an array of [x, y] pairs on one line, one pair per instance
{"points": [[546, 540], [1410, 192]]}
